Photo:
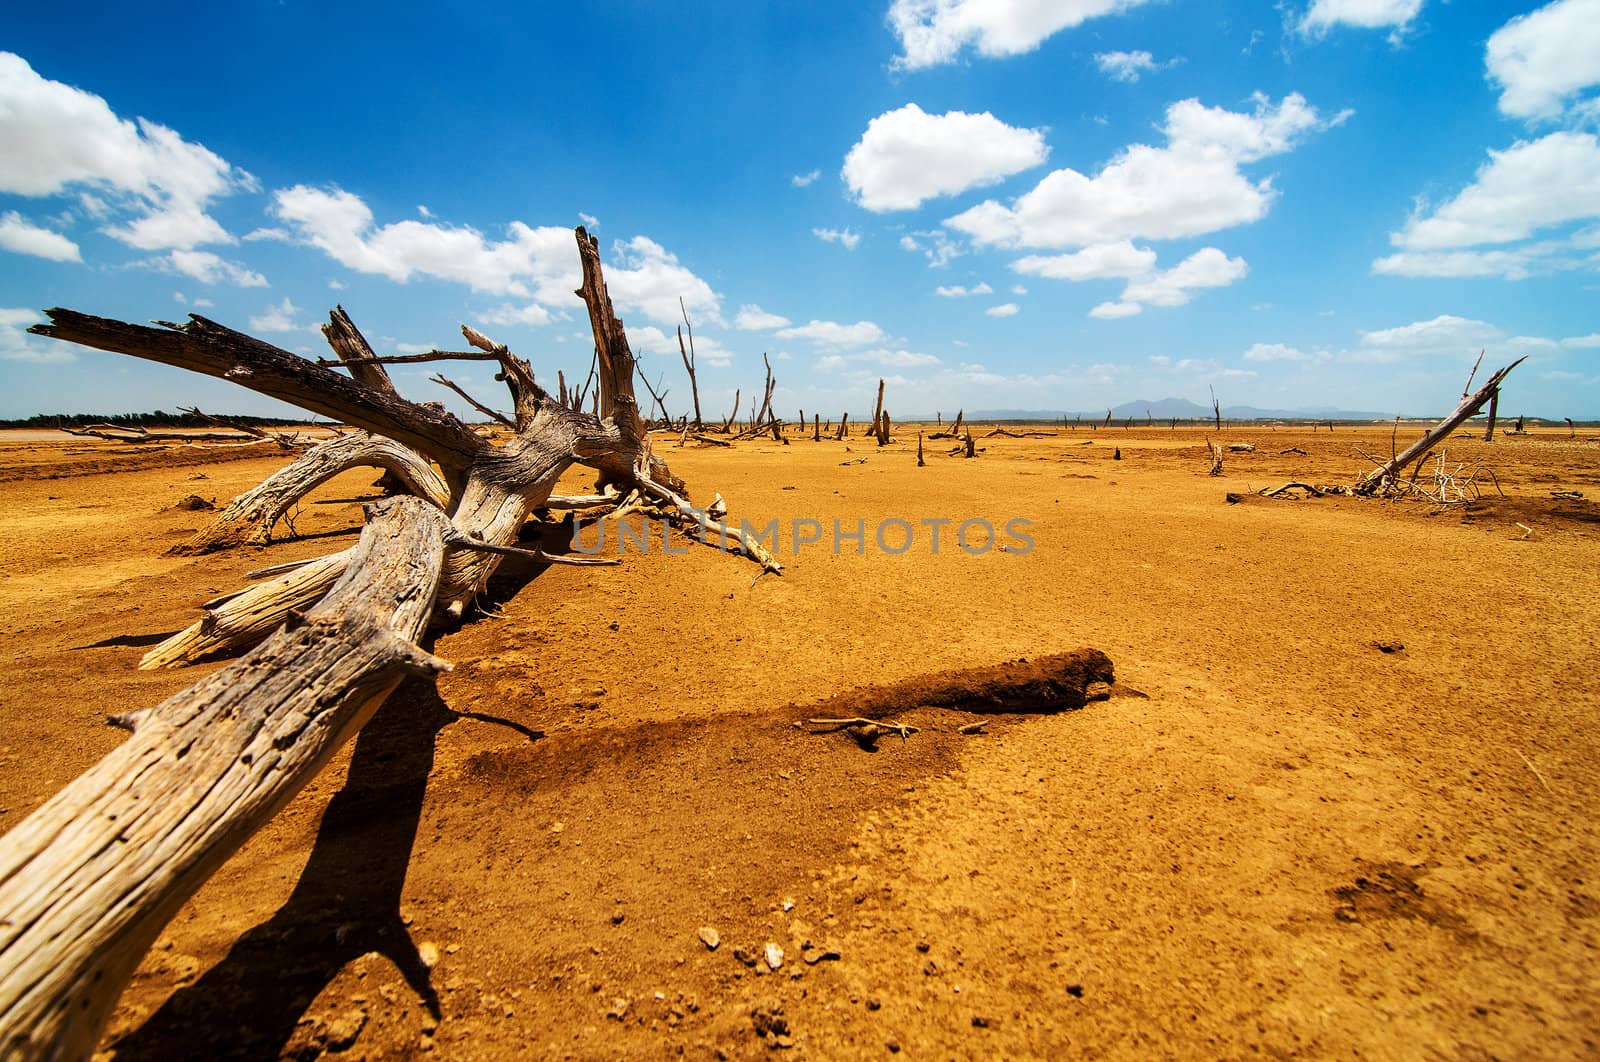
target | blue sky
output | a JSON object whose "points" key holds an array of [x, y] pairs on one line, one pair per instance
{"points": [[992, 203]]}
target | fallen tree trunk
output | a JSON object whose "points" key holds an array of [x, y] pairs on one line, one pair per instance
{"points": [[249, 517], [1386, 476], [88, 880], [1054, 683]]}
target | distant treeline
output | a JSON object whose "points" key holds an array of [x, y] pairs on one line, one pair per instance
{"points": [[157, 419]]}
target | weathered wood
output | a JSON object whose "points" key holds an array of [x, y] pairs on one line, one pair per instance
{"points": [[89, 879], [687, 354], [211, 349], [1053, 683], [250, 516], [1386, 475]]}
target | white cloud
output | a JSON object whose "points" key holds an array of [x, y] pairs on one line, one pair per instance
{"points": [[956, 291], [58, 138], [1005, 309], [1110, 311], [532, 315], [882, 356], [934, 31], [834, 334], [645, 276], [841, 236], [1523, 191], [1018, 289], [537, 263], [208, 268], [589, 220], [1528, 186], [1587, 342], [1128, 66], [1542, 59], [1102, 260], [17, 345], [908, 156], [1445, 335], [1206, 268], [801, 180], [279, 318], [936, 246], [21, 237], [1190, 187], [1275, 352], [648, 340], [752, 318], [1323, 15]]}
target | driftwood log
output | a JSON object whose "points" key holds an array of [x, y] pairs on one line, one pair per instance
{"points": [[1386, 476], [88, 880]]}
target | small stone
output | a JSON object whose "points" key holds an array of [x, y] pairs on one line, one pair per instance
{"points": [[710, 937], [618, 918], [744, 957], [428, 953], [817, 955], [451, 949], [893, 1046], [619, 1009], [774, 955], [343, 1030], [979, 1021], [1075, 991], [788, 903], [922, 946]]}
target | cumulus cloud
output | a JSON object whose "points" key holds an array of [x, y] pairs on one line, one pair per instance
{"points": [[1005, 309], [1275, 352], [1128, 67], [530, 263], [1525, 190], [936, 246], [935, 31], [1191, 186], [645, 276], [22, 237], [17, 345], [1110, 311], [883, 356], [752, 318], [843, 236], [1120, 259], [1324, 15], [1543, 59], [531, 315], [60, 139], [279, 318], [1206, 268], [801, 180], [834, 334], [1445, 335], [1146, 285], [208, 268], [908, 156], [956, 291]]}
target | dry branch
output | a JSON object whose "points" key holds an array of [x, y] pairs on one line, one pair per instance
{"points": [[88, 881]]}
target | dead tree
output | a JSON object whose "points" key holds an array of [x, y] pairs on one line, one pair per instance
{"points": [[727, 425], [919, 450], [877, 414], [1216, 407], [88, 880], [844, 426], [687, 353], [816, 427], [883, 427], [1385, 478]]}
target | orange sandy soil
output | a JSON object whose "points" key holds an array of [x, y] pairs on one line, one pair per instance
{"points": [[1294, 845]]}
